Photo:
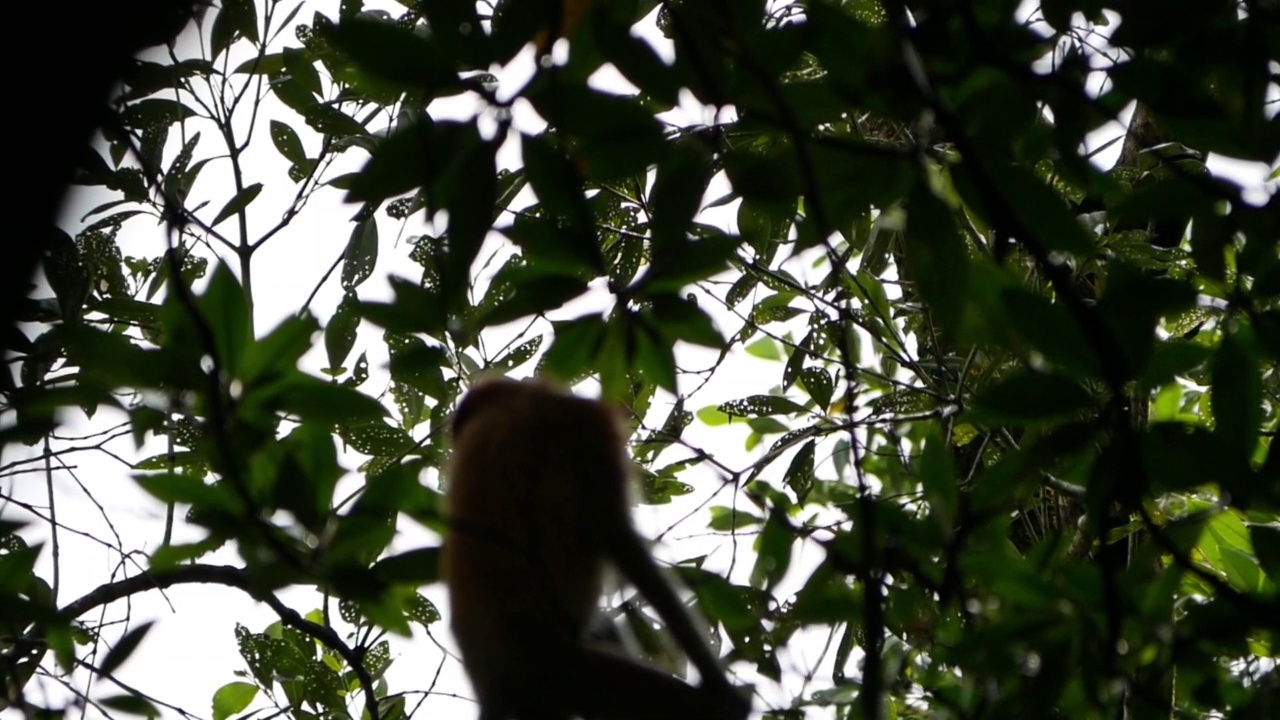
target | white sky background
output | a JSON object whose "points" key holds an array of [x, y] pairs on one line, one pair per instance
{"points": [[192, 649]]}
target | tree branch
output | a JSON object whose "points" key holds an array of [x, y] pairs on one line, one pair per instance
{"points": [[211, 575]]}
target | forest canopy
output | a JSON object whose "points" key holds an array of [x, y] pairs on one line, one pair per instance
{"points": [[945, 334]]}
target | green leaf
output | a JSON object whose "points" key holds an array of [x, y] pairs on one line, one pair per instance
{"points": [[415, 567], [936, 259], [340, 333], [938, 477], [361, 254], [1049, 329], [321, 402], [237, 203], [765, 348], [1026, 396], [377, 438], [1237, 397], [123, 649], [454, 26], [550, 248], [394, 53], [226, 312], [328, 120], [265, 65], [773, 551], [677, 191], [417, 364], [188, 489], [232, 698], [281, 349], [636, 60], [414, 309], [760, 406], [288, 143], [153, 113], [470, 191], [1180, 457], [615, 136], [681, 318], [713, 416], [131, 704], [1266, 545], [1040, 209], [765, 175], [518, 356], [720, 600], [558, 185], [677, 264], [654, 356], [532, 296], [818, 383], [574, 348], [799, 476]]}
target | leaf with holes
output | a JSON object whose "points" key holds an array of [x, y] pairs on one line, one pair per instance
{"points": [[760, 406]]}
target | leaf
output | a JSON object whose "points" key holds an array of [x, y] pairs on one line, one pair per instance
{"points": [[1026, 396], [415, 567], [654, 356], [1266, 545], [518, 356], [280, 350], [765, 348], [614, 136], [574, 348], [361, 254], [1050, 330], [132, 704], [242, 19], [553, 249], [414, 309], [773, 551], [799, 476], [321, 402], [760, 406], [123, 648], [329, 120], [936, 259], [288, 143], [268, 64], [340, 333], [417, 364], [818, 383], [677, 264], [1237, 397], [713, 416], [237, 203], [155, 113], [676, 197], [533, 296], [559, 188], [681, 318], [766, 176], [636, 60], [938, 477], [188, 489], [232, 698], [377, 438], [1040, 209], [394, 53], [226, 311]]}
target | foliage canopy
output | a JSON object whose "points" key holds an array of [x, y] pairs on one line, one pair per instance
{"points": [[1021, 406]]}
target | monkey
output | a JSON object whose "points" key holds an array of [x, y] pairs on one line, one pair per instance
{"points": [[537, 499]]}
